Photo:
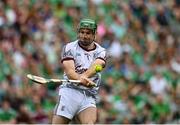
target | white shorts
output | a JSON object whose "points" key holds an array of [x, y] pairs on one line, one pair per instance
{"points": [[71, 102]]}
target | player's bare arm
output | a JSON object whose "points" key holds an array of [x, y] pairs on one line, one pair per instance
{"points": [[92, 69], [69, 69]]}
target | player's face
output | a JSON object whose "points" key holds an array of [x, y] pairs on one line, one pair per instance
{"points": [[86, 37]]}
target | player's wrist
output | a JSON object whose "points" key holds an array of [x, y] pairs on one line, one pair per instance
{"points": [[84, 80]]}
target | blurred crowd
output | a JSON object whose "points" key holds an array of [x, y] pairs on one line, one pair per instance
{"points": [[141, 82]]}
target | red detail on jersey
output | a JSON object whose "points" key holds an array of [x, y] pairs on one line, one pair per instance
{"points": [[67, 58], [80, 70], [103, 60]]}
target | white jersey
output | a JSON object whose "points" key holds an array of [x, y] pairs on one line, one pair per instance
{"points": [[83, 59]]}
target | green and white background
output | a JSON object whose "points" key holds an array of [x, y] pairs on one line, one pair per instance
{"points": [[141, 82]]}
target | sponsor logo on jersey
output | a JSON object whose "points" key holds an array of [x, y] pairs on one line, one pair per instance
{"points": [[79, 69]]}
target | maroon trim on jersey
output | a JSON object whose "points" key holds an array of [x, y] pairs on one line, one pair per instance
{"points": [[103, 60], [67, 58], [87, 49], [55, 113]]}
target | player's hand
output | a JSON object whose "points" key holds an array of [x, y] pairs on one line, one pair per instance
{"points": [[86, 82]]}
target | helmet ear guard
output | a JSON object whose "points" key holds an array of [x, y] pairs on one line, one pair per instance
{"points": [[87, 24]]}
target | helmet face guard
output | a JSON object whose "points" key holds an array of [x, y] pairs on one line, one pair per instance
{"points": [[87, 24]]}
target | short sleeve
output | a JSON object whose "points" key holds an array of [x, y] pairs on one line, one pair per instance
{"points": [[101, 55], [67, 54]]}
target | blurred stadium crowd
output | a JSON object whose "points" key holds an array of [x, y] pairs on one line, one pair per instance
{"points": [[141, 82]]}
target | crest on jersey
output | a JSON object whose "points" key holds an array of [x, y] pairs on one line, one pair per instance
{"points": [[87, 55]]}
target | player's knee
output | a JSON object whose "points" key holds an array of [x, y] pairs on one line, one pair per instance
{"points": [[89, 121], [59, 120]]}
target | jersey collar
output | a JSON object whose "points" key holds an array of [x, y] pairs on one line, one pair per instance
{"points": [[88, 49]]}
